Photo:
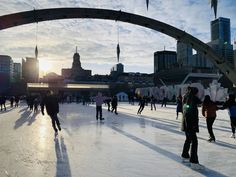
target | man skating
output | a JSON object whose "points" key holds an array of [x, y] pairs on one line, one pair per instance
{"points": [[50, 101]]}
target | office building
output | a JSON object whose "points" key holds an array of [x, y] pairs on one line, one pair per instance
{"points": [[30, 70], [6, 72], [17, 72], [164, 60]]}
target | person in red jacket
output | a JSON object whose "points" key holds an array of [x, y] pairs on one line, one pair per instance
{"points": [[209, 109]]}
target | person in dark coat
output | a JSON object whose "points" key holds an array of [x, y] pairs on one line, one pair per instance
{"points": [[230, 104], [50, 101], [114, 104], [153, 100], [190, 127], [141, 105], [108, 102], [3, 102], [209, 109], [12, 101], [17, 99], [179, 107]]}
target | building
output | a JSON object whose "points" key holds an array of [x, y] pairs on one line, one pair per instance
{"points": [[221, 39], [164, 60], [30, 70], [184, 54], [76, 73], [117, 70], [220, 30], [17, 72], [6, 72]]}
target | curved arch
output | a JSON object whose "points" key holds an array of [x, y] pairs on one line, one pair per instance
{"points": [[21, 18]]}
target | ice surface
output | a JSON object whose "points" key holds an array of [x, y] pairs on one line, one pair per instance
{"points": [[123, 145]]}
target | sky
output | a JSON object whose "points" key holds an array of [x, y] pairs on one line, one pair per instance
{"points": [[97, 39]]}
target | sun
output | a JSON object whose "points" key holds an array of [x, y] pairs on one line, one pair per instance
{"points": [[44, 66]]}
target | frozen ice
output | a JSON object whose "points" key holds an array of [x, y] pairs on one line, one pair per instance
{"points": [[123, 145]]}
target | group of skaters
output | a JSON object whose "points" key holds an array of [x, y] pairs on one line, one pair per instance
{"points": [[14, 102], [190, 123]]}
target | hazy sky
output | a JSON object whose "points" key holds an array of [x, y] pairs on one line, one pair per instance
{"points": [[97, 39]]}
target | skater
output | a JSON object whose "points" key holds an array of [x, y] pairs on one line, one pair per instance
{"points": [[52, 107], [12, 101], [153, 100], [141, 105], [230, 104], [108, 102], [114, 104], [209, 109], [17, 99], [3, 102], [179, 107], [190, 127], [36, 103], [99, 99], [164, 102]]}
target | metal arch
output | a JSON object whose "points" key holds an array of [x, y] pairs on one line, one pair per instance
{"points": [[21, 18]]}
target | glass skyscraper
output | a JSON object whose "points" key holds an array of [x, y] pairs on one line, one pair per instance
{"points": [[220, 30]]}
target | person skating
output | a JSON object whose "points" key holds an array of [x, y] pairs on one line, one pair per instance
{"points": [[50, 101], [153, 100], [99, 99], [230, 104], [209, 109], [17, 99], [190, 127], [141, 105], [108, 102], [3, 102], [12, 101], [179, 107], [114, 103]]}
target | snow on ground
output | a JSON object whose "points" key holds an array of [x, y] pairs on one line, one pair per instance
{"points": [[123, 145]]}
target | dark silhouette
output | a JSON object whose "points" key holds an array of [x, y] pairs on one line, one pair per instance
{"points": [[3, 102], [114, 104], [17, 99], [141, 105], [179, 107], [209, 112], [190, 127], [12, 99], [50, 101], [153, 101]]}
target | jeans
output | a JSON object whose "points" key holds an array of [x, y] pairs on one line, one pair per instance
{"points": [[210, 121], [191, 138], [233, 124], [99, 111]]}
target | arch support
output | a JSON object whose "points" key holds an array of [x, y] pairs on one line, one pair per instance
{"points": [[21, 18]]}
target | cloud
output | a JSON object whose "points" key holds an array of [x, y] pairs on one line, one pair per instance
{"points": [[97, 39]]}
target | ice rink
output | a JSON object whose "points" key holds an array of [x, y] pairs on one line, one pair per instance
{"points": [[123, 145]]}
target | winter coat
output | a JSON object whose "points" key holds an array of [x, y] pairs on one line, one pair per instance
{"points": [[114, 102], [209, 109], [231, 108], [51, 104], [190, 114], [179, 107]]}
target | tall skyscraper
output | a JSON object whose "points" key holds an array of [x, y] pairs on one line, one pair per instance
{"points": [[6, 72], [220, 30], [184, 54], [17, 72], [30, 69], [221, 39], [164, 60]]}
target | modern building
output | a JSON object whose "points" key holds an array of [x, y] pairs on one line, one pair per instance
{"points": [[220, 30], [117, 70], [164, 60], [6, 72], [17, 72], [184, 54], [76, 73], [30, 70], [221, 39]]}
